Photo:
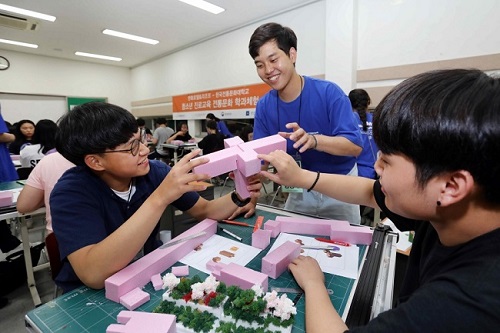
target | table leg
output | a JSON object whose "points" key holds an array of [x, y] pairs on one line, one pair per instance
{"points": [[27, 260]]}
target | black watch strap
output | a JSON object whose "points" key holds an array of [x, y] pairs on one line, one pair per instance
{"points": [[237, 201]]}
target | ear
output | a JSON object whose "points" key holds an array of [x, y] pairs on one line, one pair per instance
{"points": [[94, 162], [293, 55], [458, 185]]}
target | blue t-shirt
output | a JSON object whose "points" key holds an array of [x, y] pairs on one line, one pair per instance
{"points": [[85, 211], [7, 169], [322, 108], [366, 160], [222, 128]]}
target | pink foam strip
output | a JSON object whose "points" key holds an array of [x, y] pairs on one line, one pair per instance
{"points": [[305, 226], [180, 270], [243, 277], [6, 198], [221, 161], [134, 298], [265, 145], [134, 322], [261, 238], [277, 261], [157, 282], [352, 234], [138, 273], [274, 227], [215, 267], [232, 142]]}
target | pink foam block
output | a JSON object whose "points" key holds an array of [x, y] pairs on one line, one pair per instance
{"points": [[274, 227], [6, 198], [277, 261], [232, 142], [248, 163], [215, 267], [134, 322], [265, 145], [343, 231], [134, 299], [180, 270], [221, 161], [138, 273], [236, 275], [157, 282], [261, 238], [305, 226], [240, 184]]}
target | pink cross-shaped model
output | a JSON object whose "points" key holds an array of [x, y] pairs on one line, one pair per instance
{"points": [[241, 158]]}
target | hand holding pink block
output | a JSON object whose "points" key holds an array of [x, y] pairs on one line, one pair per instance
{"points": [[276, 262]]}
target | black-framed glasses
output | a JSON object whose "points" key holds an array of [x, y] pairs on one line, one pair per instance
{"points": [[134, 148]]}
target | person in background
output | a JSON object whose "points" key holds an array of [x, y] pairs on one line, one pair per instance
{"points": [[246, 133], [7, 169], [25, 129], [106, 210], [366, 160], [314, 115], [181, 135], [437, 133], [213, 141], [160, 136], [39, 185], [44, 142], [146, 134], [221, 125]]}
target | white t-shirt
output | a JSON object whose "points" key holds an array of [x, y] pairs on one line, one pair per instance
{"points": [[30, 155]]}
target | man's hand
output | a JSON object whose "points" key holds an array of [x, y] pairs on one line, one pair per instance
{"points": [[301, 138]]}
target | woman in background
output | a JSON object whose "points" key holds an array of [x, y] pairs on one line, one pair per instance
{"points": [[214, 140], [366, 160], [221, 125], [25, 129], [44, 143]]}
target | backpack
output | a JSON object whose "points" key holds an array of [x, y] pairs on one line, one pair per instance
{"points": [[13, 269]]}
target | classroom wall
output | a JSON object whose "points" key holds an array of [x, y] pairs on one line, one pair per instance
{"points": [[35, 75], [224, 61], [350, 42]]}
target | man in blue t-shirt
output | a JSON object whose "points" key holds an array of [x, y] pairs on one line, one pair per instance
{"points": [[106, 209], [315, 115]]}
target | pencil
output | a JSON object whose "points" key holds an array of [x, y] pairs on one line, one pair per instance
{"points": [[231, 234]]}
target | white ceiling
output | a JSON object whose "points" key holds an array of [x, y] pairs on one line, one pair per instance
{"points": [[176, 25]]}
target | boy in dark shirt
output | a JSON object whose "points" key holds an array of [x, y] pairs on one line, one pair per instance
{"points": [[107, 208], [439, 137]]}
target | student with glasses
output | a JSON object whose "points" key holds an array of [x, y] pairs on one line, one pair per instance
{"points": [[107, 208]]}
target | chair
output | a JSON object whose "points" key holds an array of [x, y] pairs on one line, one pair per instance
{"points": [[24, 172], [54, 258]]}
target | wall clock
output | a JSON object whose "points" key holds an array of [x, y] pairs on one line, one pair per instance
{"points": [[4, 63]]}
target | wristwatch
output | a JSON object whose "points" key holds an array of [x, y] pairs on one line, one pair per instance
{"points": [[237, 201]]}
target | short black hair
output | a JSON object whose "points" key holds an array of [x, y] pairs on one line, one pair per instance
{"points": [[444, 121], [141, 122], [92, 128], [212, 124], [161, 121], [285, 38]]}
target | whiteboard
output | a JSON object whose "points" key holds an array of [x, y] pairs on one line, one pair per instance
{"points": [[33, 107]]}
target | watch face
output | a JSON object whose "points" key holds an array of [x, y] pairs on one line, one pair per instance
{"points": [[4, 63]]}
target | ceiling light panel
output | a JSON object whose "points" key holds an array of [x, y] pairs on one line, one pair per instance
{"points": [[129, 36], [13, 42], [26, 12], [209, 7], [97, 56]]}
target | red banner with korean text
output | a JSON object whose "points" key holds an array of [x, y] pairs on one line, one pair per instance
{"points": [[235, 102]]}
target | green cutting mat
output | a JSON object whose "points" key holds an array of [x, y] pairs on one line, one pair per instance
{"points": [[88, 310]]}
